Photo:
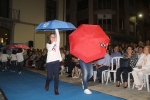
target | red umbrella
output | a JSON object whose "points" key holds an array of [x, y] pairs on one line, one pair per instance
{"points": [[21, 46], [9, 47], [88, 42]]}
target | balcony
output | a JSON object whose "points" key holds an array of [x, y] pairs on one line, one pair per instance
{"points": [[109, 27], [10, 13], [105, 8]]}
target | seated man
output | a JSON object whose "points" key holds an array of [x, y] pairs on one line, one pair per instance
{"points": [[102, 64], [71, 66]]}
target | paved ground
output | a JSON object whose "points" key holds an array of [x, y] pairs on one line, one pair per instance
{"points": [[128, 94], [111, 89], [2, 95]]}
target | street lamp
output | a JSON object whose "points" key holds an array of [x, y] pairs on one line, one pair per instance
{"points": [[140, 15]]}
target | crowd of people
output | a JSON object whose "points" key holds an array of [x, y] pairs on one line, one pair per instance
{"points": [[35, 58]]}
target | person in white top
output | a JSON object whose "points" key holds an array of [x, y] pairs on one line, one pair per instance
{"points": [[4, 57], [53, 61], [13, 60], [142, 67], [20, 60]]}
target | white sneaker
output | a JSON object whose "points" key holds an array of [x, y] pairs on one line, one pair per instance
{"points": [[87, 91]]}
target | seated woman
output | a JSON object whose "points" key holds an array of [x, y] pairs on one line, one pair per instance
{"points": [[142, 67], [133, 61]]}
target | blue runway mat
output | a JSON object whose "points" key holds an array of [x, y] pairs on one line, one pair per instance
{"points": [[30, 86]]}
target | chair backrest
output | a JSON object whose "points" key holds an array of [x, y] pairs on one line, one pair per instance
{"points": [[117, 60]]}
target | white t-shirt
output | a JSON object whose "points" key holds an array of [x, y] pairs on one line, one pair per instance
{"points": [[20, 56], [4, 57], [13, 57], [53, 53]]}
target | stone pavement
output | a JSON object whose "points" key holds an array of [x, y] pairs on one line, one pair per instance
{"points": [[110, 88]]}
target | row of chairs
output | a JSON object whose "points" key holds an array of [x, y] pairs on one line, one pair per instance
{"points": [[106, 74]]}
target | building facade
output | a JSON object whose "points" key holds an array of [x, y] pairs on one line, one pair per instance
{"points": [[116, 17], [19, 18]]}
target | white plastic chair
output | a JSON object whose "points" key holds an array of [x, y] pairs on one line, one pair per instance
{"points": [[128, 79], [117, 59], [94, 75], [147, 81], [103, 77], [144, 82], [62, 69]]}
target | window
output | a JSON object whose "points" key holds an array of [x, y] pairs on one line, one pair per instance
{"points": [[121, 23], [121, 4], [105, 24], [4, 36], [83, 4], [104, 4], [50, 10], [4, 8]]}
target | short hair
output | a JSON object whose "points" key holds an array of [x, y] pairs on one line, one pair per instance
{"points": [[19, 50], [4, 52], [130, 47], [50, 35], [140, 47], [148, 48], [14, 52]]}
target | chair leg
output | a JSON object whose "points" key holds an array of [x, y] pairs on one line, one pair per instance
{"points": [[72, 72], [105, 76], [114, 77], [128, 81], [133, 86], [102, 77], [94, 75], [108, 76], [121, 79], [147, 81]]}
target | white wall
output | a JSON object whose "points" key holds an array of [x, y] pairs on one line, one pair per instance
{"points": [[33, 12]]}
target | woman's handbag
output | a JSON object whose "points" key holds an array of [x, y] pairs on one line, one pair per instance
{"points": [[125, 63]]}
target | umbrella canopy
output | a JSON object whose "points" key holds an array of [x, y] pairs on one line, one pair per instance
{"points": [[9, 47], [88, 42], [55, 24], [23, 46]]}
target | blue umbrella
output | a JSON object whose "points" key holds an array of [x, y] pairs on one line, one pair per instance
{"points": [[55, 24]]}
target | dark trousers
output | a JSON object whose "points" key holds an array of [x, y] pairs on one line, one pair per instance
{"points": [[99, 71], [87, 72], [53, 70], [19, 65], [4, 64], [13, 64], [8, 63], [70, 68], [125, 74]]}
